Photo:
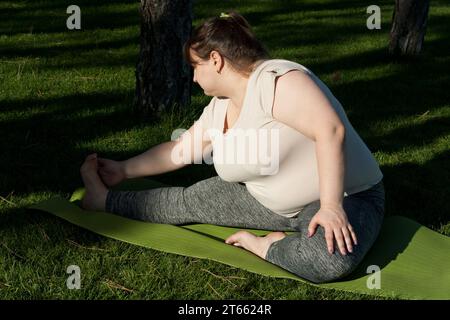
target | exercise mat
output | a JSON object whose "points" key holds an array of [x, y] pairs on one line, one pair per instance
{"points": [[413, 260]]}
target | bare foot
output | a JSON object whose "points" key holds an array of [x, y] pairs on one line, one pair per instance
{"points": [[255, 244], [95, 196]]}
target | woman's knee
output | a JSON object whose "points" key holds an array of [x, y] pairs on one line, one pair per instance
{"points": [[334, 269], [309, 258], [321, 266]]}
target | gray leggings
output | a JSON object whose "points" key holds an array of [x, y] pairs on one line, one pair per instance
{"points": [[215, 201]]}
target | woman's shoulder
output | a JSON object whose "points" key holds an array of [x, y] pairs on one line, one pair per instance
{"points": [[277, 67], [283, 63], [281, 66]]}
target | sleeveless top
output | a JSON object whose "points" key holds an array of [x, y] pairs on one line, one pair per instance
{"points": [[277, 163]]}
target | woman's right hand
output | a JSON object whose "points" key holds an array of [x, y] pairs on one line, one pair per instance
{"points": [[111, 172]]}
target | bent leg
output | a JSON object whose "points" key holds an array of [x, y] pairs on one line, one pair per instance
{"points": [[309, 257]]}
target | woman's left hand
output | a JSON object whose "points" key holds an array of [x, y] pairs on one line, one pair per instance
{"points": [[334, 220]]}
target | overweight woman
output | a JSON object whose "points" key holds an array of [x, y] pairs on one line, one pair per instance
{"points": [[287, 159]]}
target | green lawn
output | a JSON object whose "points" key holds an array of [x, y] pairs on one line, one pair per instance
{"points": [[64, 94]]}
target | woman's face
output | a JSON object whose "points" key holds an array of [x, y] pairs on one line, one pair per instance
{"points": [[205, 74]]}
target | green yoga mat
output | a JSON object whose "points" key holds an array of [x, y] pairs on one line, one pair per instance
{"points": [[414, 261]]}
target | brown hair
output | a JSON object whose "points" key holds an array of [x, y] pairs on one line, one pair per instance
{"points": [[230, 35]]}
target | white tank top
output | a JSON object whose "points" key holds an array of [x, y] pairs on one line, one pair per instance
{"points": [[287, 178]]}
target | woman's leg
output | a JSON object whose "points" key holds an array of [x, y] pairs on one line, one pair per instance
{"points": [[218, 202], [309, 257], [212, 201]]}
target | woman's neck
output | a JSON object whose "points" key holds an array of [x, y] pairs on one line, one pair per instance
{"points": [[238, 86]]}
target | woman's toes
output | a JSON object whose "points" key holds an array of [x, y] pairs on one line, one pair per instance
{"points": [[95, 195], [90, 164], [255, 244], [238, 239]]}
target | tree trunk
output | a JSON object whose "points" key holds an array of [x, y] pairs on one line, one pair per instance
{"points": [[163, 78], [409, 23]]}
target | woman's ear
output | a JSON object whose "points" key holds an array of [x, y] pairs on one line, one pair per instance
{"points": [[217, 60]]}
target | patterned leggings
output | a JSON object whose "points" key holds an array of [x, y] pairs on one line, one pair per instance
{"points": [[215, 201]]}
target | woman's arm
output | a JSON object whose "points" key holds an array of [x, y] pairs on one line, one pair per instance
{"points": [[330, 158], [300, 104], [154, 161], [312, 115], [168, 156]]}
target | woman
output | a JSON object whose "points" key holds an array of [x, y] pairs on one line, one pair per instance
{"points": [[324, 184]]}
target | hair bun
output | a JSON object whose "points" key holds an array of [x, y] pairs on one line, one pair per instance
{"points": [[233, 16]]}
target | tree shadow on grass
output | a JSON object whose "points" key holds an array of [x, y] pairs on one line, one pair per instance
{"points": [[272, 8], [419, 191], [50, 16], [390, 243], [69, 55], [52, 50], [410, 136], [40, 151], [416, 86]]}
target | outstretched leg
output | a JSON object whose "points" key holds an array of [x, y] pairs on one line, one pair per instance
{"points": [[211, 201]]}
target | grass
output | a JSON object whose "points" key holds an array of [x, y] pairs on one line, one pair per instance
{"points": [[64, 94]]}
